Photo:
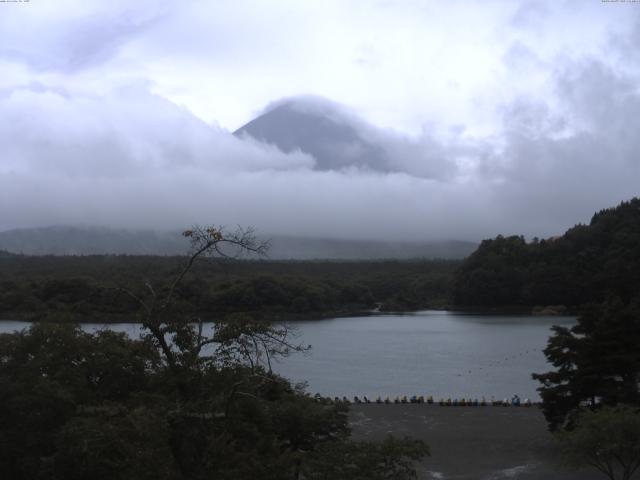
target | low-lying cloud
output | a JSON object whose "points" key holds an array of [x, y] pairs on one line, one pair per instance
{"points": [[529, 125], [132, 159]]}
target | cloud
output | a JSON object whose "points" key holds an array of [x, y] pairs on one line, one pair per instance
{"points": [[136, 160], [559, 167], [128, 133], [340, 139], [517, 122], [133, 159], [68, 36]]}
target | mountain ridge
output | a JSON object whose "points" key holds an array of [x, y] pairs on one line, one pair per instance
{"points": [[73, 240]]}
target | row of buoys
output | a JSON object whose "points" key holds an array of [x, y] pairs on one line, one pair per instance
{"points": [[364, 399], [467, 402], [455, 402]]}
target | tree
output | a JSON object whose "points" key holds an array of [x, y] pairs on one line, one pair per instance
{"points": [[54, 375], [179, 403], [597, 362], [180, 339], [607, 439], [390, 459], [586, 264]]}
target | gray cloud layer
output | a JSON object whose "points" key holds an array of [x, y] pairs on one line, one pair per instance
{"points": [[79, 150]]}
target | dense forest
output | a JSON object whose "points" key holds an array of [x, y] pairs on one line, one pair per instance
{"points": [[81, 288], [586, 264], [184, 401], [103, 406]]}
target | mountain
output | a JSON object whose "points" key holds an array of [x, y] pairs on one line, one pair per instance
{"points": [[300, 248], [63, 240], [66, 240], [321, 128]]}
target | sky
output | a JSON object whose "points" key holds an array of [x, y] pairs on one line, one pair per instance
{"points": [[512, 117]]}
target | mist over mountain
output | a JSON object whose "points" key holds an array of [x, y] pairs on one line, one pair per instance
{"points": [[66, 240], [337, 139], [301, 248], [494, 133], [317, 127]]}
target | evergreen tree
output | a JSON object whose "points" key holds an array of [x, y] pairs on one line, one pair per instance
{"points": [[597, 362]]}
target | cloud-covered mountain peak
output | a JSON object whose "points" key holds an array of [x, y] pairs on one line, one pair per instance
{"points": [[336, 138], [312, 105]]}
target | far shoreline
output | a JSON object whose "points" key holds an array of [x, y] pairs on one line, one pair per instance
{"points": [[288, 316], [293, 317]]}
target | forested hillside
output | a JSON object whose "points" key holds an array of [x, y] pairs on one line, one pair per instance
{"points": [[89, 288], [584, 265]]}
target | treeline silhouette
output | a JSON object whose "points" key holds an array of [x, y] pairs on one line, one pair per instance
{"points": [[586, 264], [86, 288]]}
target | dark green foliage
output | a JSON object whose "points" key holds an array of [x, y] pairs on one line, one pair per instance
{"points": [[181, 403], [597, 362], [390, 459], [492, 275], [102, 406], [47, 374], [112, 442], [584, 265], [607, 440], [83, 288]]}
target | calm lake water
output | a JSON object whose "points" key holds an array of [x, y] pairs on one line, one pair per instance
{"points": [[439, 353]]}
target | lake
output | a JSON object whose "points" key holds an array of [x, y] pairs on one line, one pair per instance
{"points": [[439, 353]]}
